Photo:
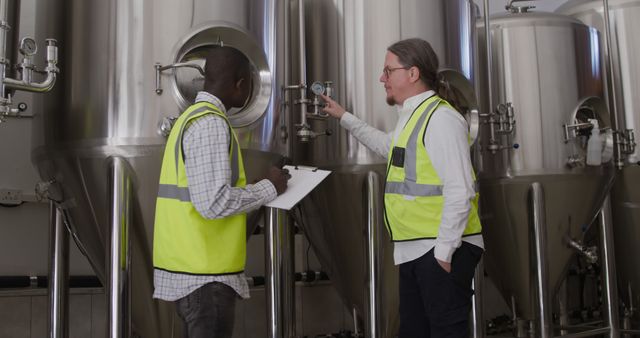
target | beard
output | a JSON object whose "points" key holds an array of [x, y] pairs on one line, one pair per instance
{"points": [[391, 101]]}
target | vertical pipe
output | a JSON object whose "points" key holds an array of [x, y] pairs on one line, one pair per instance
{"points": [[58, 274], [118, 257], [4, 29], [303, 63], [608, 269], [279, 284], [373, 298], [563, 301], [487, 33], [613, 107], [542, 269], [477, 315]]}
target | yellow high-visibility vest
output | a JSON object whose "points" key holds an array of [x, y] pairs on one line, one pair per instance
{"points": [[183, 240], [413, 197]]}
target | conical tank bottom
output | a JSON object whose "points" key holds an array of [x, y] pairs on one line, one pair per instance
{"points": [[625, 206], [571, 204], [334, 221]]}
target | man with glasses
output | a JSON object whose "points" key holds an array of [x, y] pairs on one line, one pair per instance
{"points": [[199, 245], [430, 202]]}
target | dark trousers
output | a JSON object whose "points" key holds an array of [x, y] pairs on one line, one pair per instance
{"points": [[208, 312], [433, 302]]}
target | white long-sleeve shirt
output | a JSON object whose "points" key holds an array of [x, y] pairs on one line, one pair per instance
{"points": [[446, 142]]}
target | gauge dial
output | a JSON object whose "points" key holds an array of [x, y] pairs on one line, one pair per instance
{"points": [[28, 46], [317, 88]]}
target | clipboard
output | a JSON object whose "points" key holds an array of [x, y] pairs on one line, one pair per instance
{"points": [[303, 180]]}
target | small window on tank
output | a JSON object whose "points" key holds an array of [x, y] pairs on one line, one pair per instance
{"points": [[187, 82], [190, 81]]}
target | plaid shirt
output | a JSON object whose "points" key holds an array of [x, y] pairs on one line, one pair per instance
{"points": [[206, 150]]}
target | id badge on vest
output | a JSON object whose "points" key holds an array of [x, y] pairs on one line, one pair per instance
{"points": [[397, 157]]}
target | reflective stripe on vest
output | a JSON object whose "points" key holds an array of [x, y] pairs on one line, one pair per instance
{"points": [[413, 191], [184, 241]]}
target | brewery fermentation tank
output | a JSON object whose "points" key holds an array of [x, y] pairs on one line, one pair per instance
{"points": [[121, 91], [346, 42], [625, 196], [547, 102]]}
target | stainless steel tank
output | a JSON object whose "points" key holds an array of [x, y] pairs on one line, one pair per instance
{"points": [[547, 95], [346, 43], [625, 197], [118, 94]]}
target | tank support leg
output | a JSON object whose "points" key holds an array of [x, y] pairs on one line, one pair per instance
{"points": [[118, 255], [538, 218], [280, 276], [477, 314], [58, 274], [374, 260], [608, 270]]}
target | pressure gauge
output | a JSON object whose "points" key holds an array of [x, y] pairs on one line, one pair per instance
{"points": [[317, 88], [28, 46]]}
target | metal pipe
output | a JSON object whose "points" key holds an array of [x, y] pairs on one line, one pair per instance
{"points": [[34, 87], [563, 301], [477, 316], [58, 274], [286, 129], [589, 333], [631, 333], [374, 307], [118, 257], [356, 328], [279, 283], [489, 56], [540, 249], [303, 63], [26, 85], [629, 310], [613, 107], [4, 28], [608, 269]]}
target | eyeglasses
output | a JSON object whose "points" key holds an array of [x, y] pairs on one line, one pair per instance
{"points": [[387, 71]]}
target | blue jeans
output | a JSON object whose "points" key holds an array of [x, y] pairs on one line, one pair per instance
{"points": [[433, 302], [208, 311]]}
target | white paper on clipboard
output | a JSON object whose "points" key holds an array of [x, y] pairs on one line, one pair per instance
{"points": [[303, 180]]}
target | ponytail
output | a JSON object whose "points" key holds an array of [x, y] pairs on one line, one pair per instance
{"points": [[451, 94]]}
